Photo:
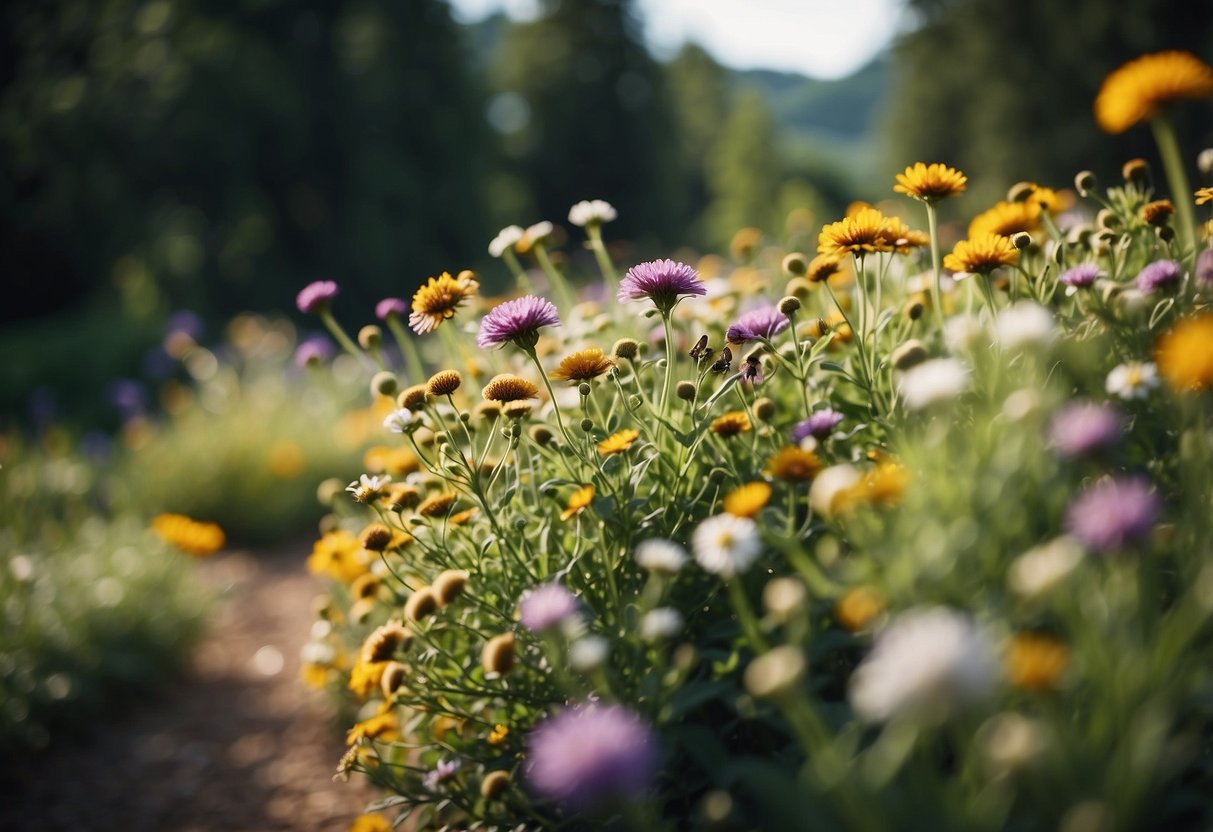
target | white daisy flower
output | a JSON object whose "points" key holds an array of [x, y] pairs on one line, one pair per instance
{"points": [[829, 484], [926, 663], [1024, 324], [592, 212], [661, 624], [1132, 380], [367, 488], [726, 545], [539, 232], [660, 555], [1043, 568], [506, 238], [589, 653], [398, 421], [932, 382]]}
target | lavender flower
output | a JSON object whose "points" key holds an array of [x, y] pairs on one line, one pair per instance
{"points": [[546, 606], [1113, 513], [591, 754], [314, 350], [1080, 428], [1161, 275], [518, 321], [390, 306], [1080, 277], [1204, 268], [664, 282], [445, 770], [819, 425], [763, 322], [316, 296]]}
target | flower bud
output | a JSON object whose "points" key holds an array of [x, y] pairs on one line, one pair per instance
{"points": [[412, 398], [795, 264], [465, 416], [421, 603], [1085, 183], [915, 308], [789, 305], [799, 287], [488, 411], [634, 401], [1020, 192], [764, 409], [392, 678], [783, 597], [1166, 233], [519, 523], [909, 354], [1204, 161], [587, 425], [583, 388], [775, 673], [384, 383], [515, 431], [494, 784], [1157, 212], [1021, 240], [1136, 172], [1107, 219], [370, 337], [376, 537], [685, 390], [541, 435], [498, 655]]}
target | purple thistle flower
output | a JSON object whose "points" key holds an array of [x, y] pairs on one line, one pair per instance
{"points": [[316, 296], [1080, 428], [445, 770], [819, 425], [1160, 275], [313, 351], [1113, 513], [1204, 268], [763, 322], [1080, 277], [518, 321], [390, 306], [664, 282], [591, 754], [546, 606]]}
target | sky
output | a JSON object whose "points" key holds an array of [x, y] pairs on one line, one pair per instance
{"points": [[820, 38]]}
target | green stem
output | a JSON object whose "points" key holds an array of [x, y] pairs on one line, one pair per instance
{"points": [[1177, 178], [559, 285], [520, 276], [936, 271], [605, 265], [344, 340], [408, 350], [552, 394], [669, 364]]}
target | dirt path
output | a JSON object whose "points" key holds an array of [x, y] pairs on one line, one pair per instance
{"points": [[239, 744]]}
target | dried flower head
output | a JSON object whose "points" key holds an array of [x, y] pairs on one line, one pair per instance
{"points": [[436, 505], [383, 642], [582, 365], [443, 383], [1158, 212], [930, 183], [508, 387], [497, 659], [412, 398], [437, 300], [421, 604], [376, 537], [1139, 89]]}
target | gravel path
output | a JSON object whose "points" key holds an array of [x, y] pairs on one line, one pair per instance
{"points": [[239, 744]]}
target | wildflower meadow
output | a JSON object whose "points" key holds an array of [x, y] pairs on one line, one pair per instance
{"points": [[872, 536]]}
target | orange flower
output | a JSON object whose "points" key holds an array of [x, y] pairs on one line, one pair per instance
{"points": [[747, 500], [858, 607], [1184, 354], [982, 255], [1036, 661], [930, 183], [579, 500], [1138, 90], [618, 442], [861, 233], [582, 365]]}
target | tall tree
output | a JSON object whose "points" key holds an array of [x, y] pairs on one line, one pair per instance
{"points": [[1005, 90], [744, 171]]}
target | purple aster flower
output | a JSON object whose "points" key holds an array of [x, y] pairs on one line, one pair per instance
{"points": [[819, 425], [390, 306], [187, 322], [518, 321], [314, 350], [445, 770], [763, 322], [1161, 275], [1079, 277], [1113, 513], [662, 281], [1204, 268], [591, 754], [316, 296], [1080, 428], [546, 606], [128, 396]]}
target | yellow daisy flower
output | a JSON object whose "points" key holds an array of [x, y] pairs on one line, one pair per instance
{"points": [[498, 734], [1138, 90], [1204, 195], [982, 255], [930, 183], [793, 464], [578, 501], [854, 235], [1036, 661], [190, 536], [582, 365], [1006, 218], [731, 424], [437, 300], [747, 500], [856, 609], [1184, 354], [618, 442]]}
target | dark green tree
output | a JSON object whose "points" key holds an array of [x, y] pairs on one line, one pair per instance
{"points": [[1005, 90], [744, 171]]}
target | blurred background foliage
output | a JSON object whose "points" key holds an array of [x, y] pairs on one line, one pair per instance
{"points": [[216, 156]]}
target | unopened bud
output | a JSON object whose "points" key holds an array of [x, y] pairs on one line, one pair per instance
{"points": [[909, 354], [764, 409], [775, 673], [1107, 219], [1020, 192], [795, 264], [583, 388], [685, 390], [421, 603], [1085, 183], [789, 305], [1166, 233], [384, 383], [626, 348], [587, 425], [494, 784], [498, 655], [1021, 240], [1204, 161], [370, 337], [634, 401], [1136, 172], [541, 435]]}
